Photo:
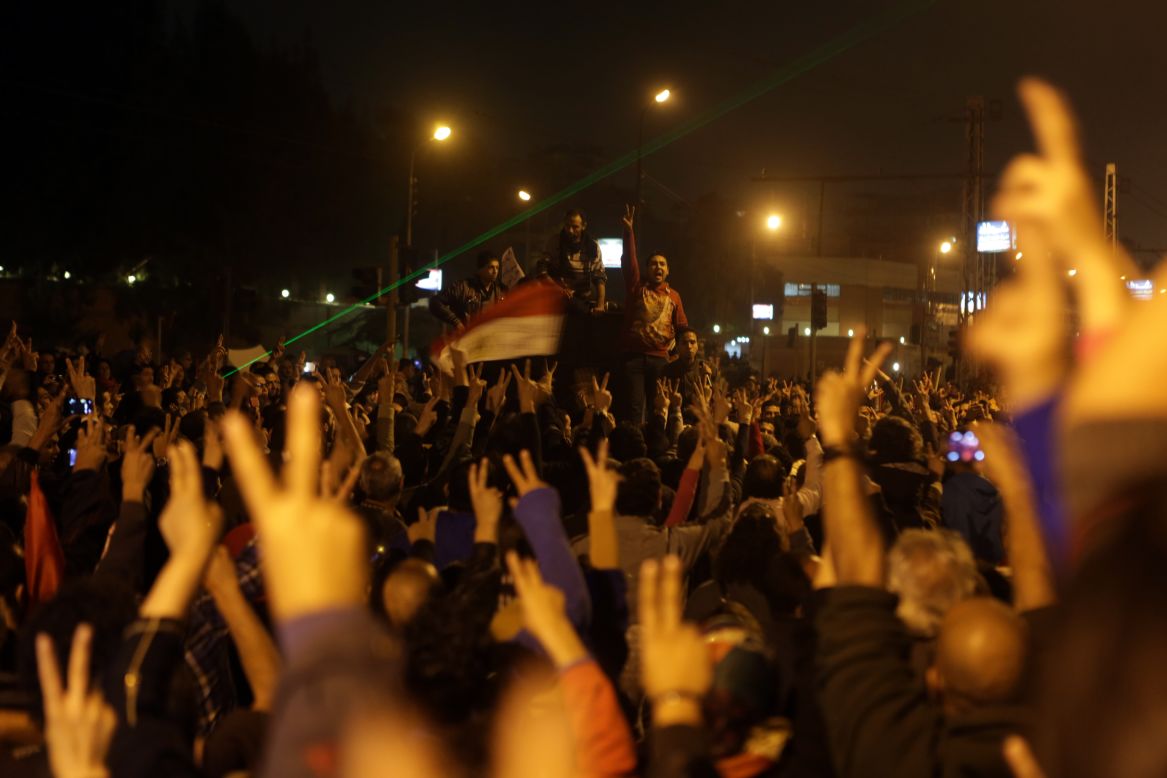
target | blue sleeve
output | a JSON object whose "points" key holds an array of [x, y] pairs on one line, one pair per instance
{"points": [[538, 514], [1036, 429]]}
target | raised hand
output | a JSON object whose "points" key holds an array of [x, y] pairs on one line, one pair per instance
{"points": [[387, 383], [79, 725], [91, 451], [487, 502], [428, 417], [660, 400], [838, 396], [84, 386], [603, 482], [137, 465], [674, 663], [525, 478], [477, 386], [425, 528], [719, 408], [334, 392], [10, 351], [163, 442], [547, 382], [528, 389], [743, 407], [629, 216], [313, 549], [496, 396], [189, 522], [49, 424], [543, 612], [601, 398]]}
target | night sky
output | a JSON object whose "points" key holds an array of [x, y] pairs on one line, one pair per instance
{"points": [[524, 76]]}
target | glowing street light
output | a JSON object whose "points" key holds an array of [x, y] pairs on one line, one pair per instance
{"points": [[524, 195], [442, 132], [850, 333], [716, 329], [773, 222], [945, 247], [806, 331], [67, 275], [903, 340], [131, 279], [765, 330], [285, 293], [330, 298], [895, 367], [659, 98]]}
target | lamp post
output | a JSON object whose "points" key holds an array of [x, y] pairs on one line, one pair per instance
{"points": [[772, 224], [660, 97], [524, 196], [440, 134]]}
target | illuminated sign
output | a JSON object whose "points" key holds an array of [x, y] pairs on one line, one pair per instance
{"points": [[995, 237]]}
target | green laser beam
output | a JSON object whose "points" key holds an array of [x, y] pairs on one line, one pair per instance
{"points": [[804, 64]]}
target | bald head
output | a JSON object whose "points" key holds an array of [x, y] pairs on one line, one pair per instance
{"points": [[406, 589], [980, 654]]}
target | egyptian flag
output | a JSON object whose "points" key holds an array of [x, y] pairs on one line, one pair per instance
{"points": [[527, 323], [44, 562]]}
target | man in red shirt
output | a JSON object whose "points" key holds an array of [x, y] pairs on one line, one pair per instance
{"points": [[653, 312]]}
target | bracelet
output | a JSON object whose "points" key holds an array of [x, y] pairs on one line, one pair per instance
{"points": [[831, 453], [677, 695]]}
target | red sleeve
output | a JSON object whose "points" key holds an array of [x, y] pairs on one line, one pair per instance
{"points": [[679, 317], [629, 263], [602, 740], [683, 501], [757, 444]]}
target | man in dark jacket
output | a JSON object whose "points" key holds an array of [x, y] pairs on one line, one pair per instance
{"points": [[880, 719], [458, 302]]}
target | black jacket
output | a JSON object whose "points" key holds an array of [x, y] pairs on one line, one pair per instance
{"points": [[463, 299], [878, 717]]}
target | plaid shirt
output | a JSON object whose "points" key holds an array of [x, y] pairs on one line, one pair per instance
{"points": [[208, 642]]}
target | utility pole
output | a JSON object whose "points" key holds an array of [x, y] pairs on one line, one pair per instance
{"points": [[1110, 206], [972, 212], [391, 302]]}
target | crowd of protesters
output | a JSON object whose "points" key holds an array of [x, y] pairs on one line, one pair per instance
{"points": [[394, 571]]}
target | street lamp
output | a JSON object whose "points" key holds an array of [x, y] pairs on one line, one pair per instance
{"points": [[660, 98], [524, 195], [716, 329], [285, 293], [773, 222], [330, 298], [441, 134], [945, 247]]}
